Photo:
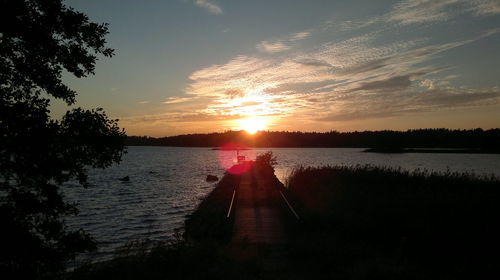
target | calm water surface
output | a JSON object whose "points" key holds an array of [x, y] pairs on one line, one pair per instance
{"points": [[167, 183]]}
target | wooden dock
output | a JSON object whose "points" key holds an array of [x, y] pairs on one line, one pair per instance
{"points": [[261, 214]]}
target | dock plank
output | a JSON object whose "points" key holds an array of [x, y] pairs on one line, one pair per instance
{"points": [[258, 212]]}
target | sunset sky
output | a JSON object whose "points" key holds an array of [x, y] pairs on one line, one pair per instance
{"points": [[196, 66]]}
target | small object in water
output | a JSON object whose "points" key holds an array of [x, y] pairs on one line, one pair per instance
{"points": [[152, 172], [212, 178], [125, 179]]}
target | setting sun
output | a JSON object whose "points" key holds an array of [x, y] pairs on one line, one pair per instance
{"points": [[252, 124]]}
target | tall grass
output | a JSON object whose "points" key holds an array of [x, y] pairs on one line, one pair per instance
{"points": [[367, 222]]}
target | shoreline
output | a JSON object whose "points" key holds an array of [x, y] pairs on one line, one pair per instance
{"points": [[364, 149], [431, 151]]}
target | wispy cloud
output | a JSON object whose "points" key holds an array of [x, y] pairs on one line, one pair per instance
{"points": [[420, 11], [174, 100], [209, 6], [300, 35], [486, 7], [376, 106], [283, 43], [352, 24], [272, 47], [351, 79], [416, 11], [312, 62], [178, 116], [424, 11]]}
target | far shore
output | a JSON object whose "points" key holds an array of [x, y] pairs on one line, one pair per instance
{"points": [[431, 151], [366, 150], [230, 149]]}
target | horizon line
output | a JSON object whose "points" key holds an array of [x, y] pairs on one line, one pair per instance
{"points": [[319, 132]]}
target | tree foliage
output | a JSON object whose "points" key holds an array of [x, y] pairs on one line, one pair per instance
{"points": [[267, 158], [39, 39]]}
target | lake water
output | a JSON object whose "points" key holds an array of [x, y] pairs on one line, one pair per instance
{"points": [[167, 183]]}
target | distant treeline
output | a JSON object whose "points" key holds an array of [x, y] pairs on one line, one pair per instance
{"points": [[418, 138]]}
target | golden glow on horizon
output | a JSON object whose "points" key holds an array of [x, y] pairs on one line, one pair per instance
{"points": [[252, 124]]}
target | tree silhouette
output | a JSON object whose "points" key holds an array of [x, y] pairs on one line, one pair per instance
{"points": [[477, 140], [39, 39]]}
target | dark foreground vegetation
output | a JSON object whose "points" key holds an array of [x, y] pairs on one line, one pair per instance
{"points": [[356, 223], [484, 140], [39, 41], [377, 223]]}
